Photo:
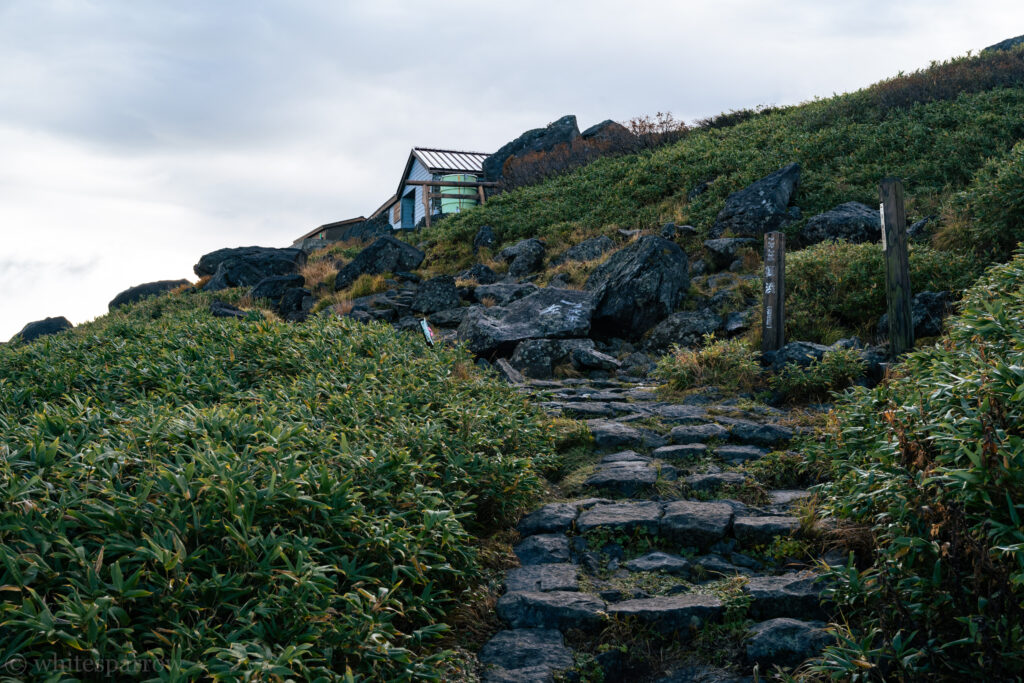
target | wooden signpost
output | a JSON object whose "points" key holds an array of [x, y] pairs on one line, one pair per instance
{"points": [[773, 333], [897, 266]]}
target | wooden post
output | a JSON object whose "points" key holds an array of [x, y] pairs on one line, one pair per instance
{"points": [[426, 206], [773, 318], [897, 267], [483, 196]]}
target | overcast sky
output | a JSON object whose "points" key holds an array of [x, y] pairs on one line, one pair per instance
{"points": [[136, 135]]}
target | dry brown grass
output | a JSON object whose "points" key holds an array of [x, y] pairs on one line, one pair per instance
{"points": [[463, 371], [367, 284], [181, 289], [319, 276], [488, 301], [202, 281]]}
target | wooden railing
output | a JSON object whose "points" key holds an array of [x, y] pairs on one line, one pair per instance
{"points": [[427, 196]]}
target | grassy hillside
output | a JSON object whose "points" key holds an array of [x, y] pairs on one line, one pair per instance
{"points": [[939, 129], [186, 496], [929, 468]]}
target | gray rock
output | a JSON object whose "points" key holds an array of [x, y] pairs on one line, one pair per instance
{"points": [[295, 304], [758, 434], [503, 293], [761, 207], [711, 482], [710, 566], [479, 273], [919, 231], [763, 530], [509, 373], [611, 434], [543, 578], [547, 313], [484, 238], [683, 414], [637, 365], [625, 456], [222, 309], [660, 562], [612, 133], [927, 311], [584, 358], [796, 595], [210, 263], [721, 252], [564, 130], [587, 250], [385, 255], [139, 292], [699, 433], [688, 451], [436, 294], [638, 286], [799, 352], [786, 642], [682, 614], [524, 257], [704, 674], [629, 478], [736, 454], [737, 322], [537, 358], [787, 496], [451, 317], [551, 518], [528, 674], [852, 221], [554, 609], [622, 517], [695, 523], [521, 648], [42, 328], [686, 328], [561, 281], [543, 549], [274, 287]]}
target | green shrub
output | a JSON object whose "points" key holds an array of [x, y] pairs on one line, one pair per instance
{"points": [[835, 289], [726, 363], [837, 370], [248, 499], [933, 463], [988, 217]]}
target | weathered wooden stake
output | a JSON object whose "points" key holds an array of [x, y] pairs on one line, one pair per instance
{"points": [[773, 319], [897, 266]]}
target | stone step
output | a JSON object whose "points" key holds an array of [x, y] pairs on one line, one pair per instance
{"points": [[627, 473], [527, 654], [609, 435], [796, 595], [543, 549], [543, 578], [785, 642], [736, 431], [560, 610], [680, 614]]}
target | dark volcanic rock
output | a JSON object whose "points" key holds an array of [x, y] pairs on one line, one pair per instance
{"points": [[722, 251], [760, 207], [543, 577], [209, 263], [482, 274], [621, 517], [612, 133], [786, 642], [762, 530], [436, 294], [42, 328], [275, 286], [551, 518], [536, 140], [587, 250], [638, 286], [222, 309], [524, 257], [543, 549], [852, 221], [520, 648], [385, 255], [247, 266], [796, 595], [610, 434], [502, 293], [139, 292], [686, 328], [694, 523], [554, 609], [678, 613], [484, 238], [927, 311], [451, 317], [295, 304], [660, 562], [799, 352], [537, 358], [548, 313]]}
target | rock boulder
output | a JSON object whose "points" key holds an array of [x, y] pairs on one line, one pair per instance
{"points": [[385, 255], [536, 140], [852, 221], [547, 313], [761, 207], [139, 292]]}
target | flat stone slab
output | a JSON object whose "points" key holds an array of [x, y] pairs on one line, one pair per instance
{"points": [[543, 549], [683, 614], [687, 451], [740, 453], [524, 647], [762, 530], [543, 578], [528, 674], [674, 412], [786, 642], [698, 433], [710, 482], [621, 516], [787, 496], [551, 518], [756, 433], [695, 523], [712, 566], [609, 434], [555, 609], [625, 456], [580, 409], [664, 563], [796, 595], [627, 478]]}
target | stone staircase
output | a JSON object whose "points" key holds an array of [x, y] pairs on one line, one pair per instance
{"points": [[655, 557]]}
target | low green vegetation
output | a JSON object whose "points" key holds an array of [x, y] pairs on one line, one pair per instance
{"points": [[729, 364], [837, 370], [932, 464], [189, 497]]}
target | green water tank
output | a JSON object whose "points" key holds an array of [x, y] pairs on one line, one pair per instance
{"points": [[468, 195]]}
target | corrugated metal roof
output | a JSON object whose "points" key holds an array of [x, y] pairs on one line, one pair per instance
{"points": [[450, 159]]}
